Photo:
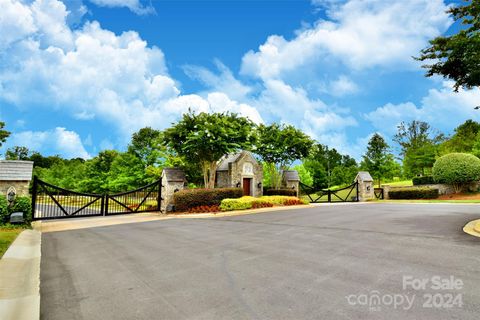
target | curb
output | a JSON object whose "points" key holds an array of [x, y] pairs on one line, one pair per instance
{"points": [[20, 278], [473, 228]]}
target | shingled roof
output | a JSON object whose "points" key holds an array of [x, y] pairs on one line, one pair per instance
{"points": [[363, 176], [230, 158], [291, 175], [174, 174], [16, 170]]}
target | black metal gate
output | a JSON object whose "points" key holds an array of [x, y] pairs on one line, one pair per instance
{"points": [[378, 192], [144, 199], [346, 194], [52, 202]]}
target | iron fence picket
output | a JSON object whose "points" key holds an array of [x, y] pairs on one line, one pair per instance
{"points": [[53, 202], [309, 190]]}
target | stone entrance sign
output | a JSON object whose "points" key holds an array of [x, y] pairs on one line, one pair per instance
{"points": [[15, 174]]}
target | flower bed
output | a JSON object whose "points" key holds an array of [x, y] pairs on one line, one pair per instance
{"points": [[247, 202]]}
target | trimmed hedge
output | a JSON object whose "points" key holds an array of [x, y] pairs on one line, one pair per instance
{"points": [[414, 193], [280, 192], [191, 198], [248, 202], [457, 169], [418, 181]]}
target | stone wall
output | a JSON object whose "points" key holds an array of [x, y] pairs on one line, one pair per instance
{"points": [[222, 180], [20, 186], [292, 184], [442, 188]]}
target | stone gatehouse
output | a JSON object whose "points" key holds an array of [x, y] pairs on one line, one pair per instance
{"points": [[16, 175], [240, 170]]}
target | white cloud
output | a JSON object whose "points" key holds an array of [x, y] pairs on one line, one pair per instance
{"points": [[293, 105], [223, 82], [16, 22], [359, 33], [220, 102], [443, 108], [134, 5], [342, 86], [91, 72], [57, 141]]}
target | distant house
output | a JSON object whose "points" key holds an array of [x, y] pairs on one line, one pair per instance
{"points": [[240, 170]]}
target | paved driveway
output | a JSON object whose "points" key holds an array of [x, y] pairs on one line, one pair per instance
{"points": [[326, 262]]}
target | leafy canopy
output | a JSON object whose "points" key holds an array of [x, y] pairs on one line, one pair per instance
{"points": [[279, 146], [377, 160], [17, 153], [457, 57], [418, 146], [282, 144], [204, 138], [4, 134], [329, 168]]}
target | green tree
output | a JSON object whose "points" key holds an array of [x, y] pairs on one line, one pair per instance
{"points": [[67, 174], [457, 57], [4, 134], [146, 144], [17, 153], [97, 172], [463, 139], [126, 172], [304, 174], [279, 146], [328, 167], [476, 146], [418, 146], [376, 159], [204, 138]]}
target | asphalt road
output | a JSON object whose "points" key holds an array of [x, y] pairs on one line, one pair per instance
{"points": [[327, 262]]}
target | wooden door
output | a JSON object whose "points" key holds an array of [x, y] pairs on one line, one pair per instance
{"points": [[246, 186]]}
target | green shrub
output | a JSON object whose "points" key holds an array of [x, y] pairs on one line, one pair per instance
{"points": [[3, 209], [237, 204], [21, 204], [190, 198], [413, 193], [248, 202], [457, 169], [280, 192], [418, 181]]}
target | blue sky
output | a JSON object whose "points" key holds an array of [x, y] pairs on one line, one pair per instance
{"points": [[80, 76]]}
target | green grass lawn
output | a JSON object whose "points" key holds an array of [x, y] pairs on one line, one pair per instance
{"points": [[404, 183], [343, 194], [6, 238]]}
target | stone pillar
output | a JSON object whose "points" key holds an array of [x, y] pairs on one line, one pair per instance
{"points": [[291, 180], [15, 174], [365, 186], [173, 180]]}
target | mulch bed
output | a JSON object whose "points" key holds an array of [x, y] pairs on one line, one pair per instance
{"points": [[460, 196]]}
